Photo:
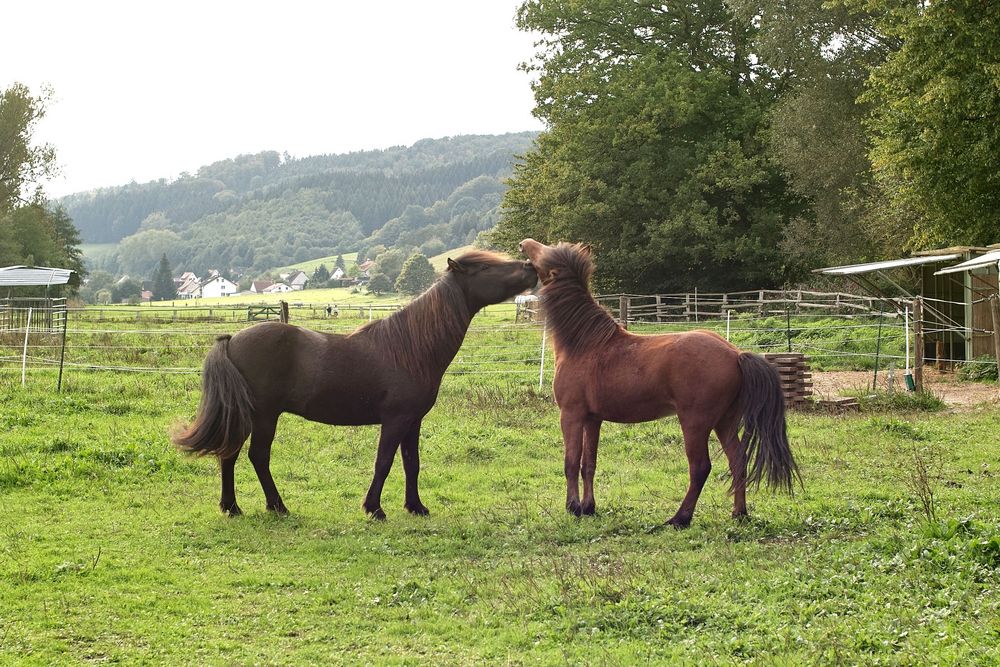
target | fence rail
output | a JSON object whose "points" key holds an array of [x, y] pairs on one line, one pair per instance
{"points": [[168, 340]]}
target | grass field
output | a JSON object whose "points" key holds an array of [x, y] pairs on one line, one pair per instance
{"points": [[113, 550]]}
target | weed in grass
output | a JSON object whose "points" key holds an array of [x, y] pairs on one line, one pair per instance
{"points": [[898, 401], [980, 369]]}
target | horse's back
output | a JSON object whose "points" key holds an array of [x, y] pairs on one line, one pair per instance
{"points": [[641, 378], [323, 377]]}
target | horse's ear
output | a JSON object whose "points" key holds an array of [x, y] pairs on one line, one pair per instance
{"points": [[457, 267], [586, 249]]}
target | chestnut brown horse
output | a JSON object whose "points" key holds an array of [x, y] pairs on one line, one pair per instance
{"points": [[604, 373], [387, 372]]}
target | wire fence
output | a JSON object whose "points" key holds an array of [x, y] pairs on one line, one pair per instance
{"points": [[506, 340]]}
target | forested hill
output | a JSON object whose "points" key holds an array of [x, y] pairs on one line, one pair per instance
{"points": [[258, 211]]}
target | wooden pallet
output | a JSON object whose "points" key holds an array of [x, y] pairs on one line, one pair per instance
{"points": [[796, 380]]}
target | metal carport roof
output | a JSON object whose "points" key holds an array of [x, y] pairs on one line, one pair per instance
{"points": [[33, 276]]}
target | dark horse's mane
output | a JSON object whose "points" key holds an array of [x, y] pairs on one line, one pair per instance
{"points": [[578, 322], [425, 335]]}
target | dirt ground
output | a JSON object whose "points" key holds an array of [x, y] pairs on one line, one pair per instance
{"points": [[956, 394]]}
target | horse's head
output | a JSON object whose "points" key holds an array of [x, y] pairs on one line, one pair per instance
{"points": [[488, 278], [563, 260]]}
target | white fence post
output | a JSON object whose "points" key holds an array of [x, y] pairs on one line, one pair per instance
{"points": [[24, 354], [541, 366]]}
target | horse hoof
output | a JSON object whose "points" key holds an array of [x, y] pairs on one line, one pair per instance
{"points": [[678, 524], [741, 517], [417, 509], [278, 508], [377, 514], [573, 507], [588, 509], [231, 510]]}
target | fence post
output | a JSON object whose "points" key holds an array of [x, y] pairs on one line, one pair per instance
{"points": [[918, 344], [623, 310], [659, 306], [284, 311], [62, 353], [24, 355], [995, 312], [541, 366]]}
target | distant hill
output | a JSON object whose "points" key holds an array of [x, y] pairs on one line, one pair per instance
{"points": [[254, 212]]}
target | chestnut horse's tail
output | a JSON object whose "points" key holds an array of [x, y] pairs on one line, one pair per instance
{"points": [[226, 409], [765, 439]]}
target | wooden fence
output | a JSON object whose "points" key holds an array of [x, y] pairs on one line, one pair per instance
{"points": [[696, 306]]}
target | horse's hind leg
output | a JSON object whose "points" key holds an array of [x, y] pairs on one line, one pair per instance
{"points": [[591, 435], [699, 467], [227, 503], [261, 438], [727, 430], [411, 466]]}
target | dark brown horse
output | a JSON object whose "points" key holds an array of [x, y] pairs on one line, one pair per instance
{"points": [[604, 373], [387, 372]]}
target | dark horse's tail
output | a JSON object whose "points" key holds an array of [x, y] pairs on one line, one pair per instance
{"points": [[226, 409], [765, 439]]}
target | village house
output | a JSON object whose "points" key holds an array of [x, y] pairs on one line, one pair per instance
{"points": [[218, 286], [277, 288], [258, 286], [187, 285], [297, 280]]}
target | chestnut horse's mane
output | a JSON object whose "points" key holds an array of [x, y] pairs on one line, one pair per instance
{"points": [[578, 322], [425, 335]]}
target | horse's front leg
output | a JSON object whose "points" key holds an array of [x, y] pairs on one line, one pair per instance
{"points": [[388, 442], [591, 434], [572, 430], [411, 466]]}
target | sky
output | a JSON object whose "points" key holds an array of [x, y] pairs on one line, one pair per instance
{"points": [[147, 90]]}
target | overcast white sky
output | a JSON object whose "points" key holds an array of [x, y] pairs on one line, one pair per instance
{"points": [[144, 90]]}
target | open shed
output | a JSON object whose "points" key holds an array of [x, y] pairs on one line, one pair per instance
{"points": [[955, 285], [34, 313]]}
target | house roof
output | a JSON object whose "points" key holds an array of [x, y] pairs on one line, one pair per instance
{"points": [[989, 259], [853, 269], [261, 285], [33, 276]]}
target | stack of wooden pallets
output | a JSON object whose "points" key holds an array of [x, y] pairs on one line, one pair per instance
{"points": [[796, 380]]}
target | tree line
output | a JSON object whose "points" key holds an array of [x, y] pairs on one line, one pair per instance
{"points": [[729, 144], [258, 211]]}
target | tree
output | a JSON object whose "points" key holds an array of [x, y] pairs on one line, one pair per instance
{"points": [[340, 263], [656, 149], [379, 283], [163, 281], [320, 275], [390, 262], [126, 289], [22, 164], [936, 138], [416, 276], [31, 230]]}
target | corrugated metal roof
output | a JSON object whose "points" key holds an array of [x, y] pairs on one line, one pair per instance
{"points": [[851, 269], [989, 259], [33, 276]]}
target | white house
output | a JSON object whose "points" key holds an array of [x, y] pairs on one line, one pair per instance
{"points": [[188, 286], [277, 288], [260, 286], [297, 280], [218, 286], [338, 273]]}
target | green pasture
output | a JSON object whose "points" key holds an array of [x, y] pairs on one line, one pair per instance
{"points": [[311, 265], [112, 548]]}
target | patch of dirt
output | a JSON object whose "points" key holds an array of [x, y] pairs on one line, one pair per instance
{"points": [[945, 385]]}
